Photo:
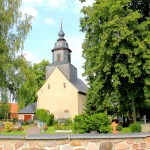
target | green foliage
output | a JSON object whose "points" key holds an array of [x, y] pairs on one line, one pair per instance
{"points": [[62, 127], [4, 106], [63, 124], [116, 50], [50, 120], [34, 77], [106, 129], [14, 28], [41, 114], [16, 74], [84, 123], [39, 70], [119, 128], [126, 130], [135, 127], [8, 126]]}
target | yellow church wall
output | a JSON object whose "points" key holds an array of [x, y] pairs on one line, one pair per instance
{"points": [[61, 96], [81, 103]]}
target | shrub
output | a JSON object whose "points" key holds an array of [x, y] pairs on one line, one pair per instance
{"points": [[61, 127], [8, 126], [63, 124], [50, 120], [84, 123], [68, 122], [126, 130], [14, 120], [81, 123], [135, 127], [105, 129], [45, 128], [119, 128], [41, 114]]}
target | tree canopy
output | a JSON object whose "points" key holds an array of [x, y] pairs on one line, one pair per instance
{"points": [[117, 53], [33, 77], [14, 28], [17, 76]]}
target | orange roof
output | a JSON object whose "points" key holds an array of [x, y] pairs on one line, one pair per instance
{"points": [[13, 108]]}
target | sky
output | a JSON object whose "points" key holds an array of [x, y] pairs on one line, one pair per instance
{"points": [[46, 25]]}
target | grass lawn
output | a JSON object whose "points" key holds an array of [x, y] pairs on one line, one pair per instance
{"points": [[15, 132], [51, 130]]}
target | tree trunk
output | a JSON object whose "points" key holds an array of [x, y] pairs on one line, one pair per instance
{"points": [[133, 111]]}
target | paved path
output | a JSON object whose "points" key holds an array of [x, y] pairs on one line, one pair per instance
{"points": [[33, 130], [146, 127]]}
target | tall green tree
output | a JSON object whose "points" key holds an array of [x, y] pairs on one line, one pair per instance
{"points": [[39, 70], [14, 28], [117, 53], [30, 80]]}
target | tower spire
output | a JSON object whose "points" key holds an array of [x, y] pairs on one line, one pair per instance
{"points": [[61, 33], [61, 23]]}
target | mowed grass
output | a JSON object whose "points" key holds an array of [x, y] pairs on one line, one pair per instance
{"points": [[16, 132], [50, 130]]}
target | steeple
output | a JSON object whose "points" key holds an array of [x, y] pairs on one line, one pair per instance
{"points": [[61, 51], [61, 33], [62, 59]]}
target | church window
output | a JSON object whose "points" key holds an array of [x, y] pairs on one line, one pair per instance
{"points": [[66, 112], [69, 59], [58, 57], [64, 85], [49, 86]]}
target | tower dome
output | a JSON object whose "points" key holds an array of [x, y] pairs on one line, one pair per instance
{"points": [[61, 42]]}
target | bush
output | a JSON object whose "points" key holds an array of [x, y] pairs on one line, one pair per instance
{"points": [[14, 120], [84, 123], [41, 114], [63, 124], [126, 130], [8, 126], [61, 127], [119, 128], [50, 120], [105, 129], [135, 127]]}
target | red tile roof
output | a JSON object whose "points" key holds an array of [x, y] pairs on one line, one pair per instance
{"points": [[13, 108]]}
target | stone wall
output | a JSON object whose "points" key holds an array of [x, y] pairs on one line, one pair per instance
{"points": [[137, 141]]}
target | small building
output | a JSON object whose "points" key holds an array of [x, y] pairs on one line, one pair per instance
{"points": [[27, 113]]}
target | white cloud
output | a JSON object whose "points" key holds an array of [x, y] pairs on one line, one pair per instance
{"points": [[57, 4], [30, 11], [33, 3], [49, 21], [29, 56], [78, 5]]}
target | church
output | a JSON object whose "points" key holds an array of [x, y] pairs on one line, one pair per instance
{"points": [[63, 93]]}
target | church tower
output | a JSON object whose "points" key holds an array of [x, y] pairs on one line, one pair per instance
{"points": [[62, 59]]}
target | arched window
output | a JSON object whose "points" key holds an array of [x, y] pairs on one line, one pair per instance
{"points": [[66, 112], [58, 57]]}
